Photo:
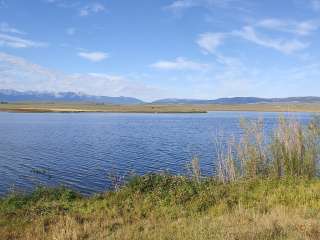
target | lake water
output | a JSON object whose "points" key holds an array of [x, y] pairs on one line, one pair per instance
{"points": [[80, 150]]}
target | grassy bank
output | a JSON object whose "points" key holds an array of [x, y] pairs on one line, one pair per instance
{"points": [[264, 189], [150, 108], [167, 207]]}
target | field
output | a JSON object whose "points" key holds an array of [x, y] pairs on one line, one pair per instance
{"points": [[150, 108]]}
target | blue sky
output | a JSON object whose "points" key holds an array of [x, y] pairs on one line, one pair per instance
{"points": [[154, 49]]}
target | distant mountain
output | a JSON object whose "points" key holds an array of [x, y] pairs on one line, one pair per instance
{"points": [[33, 96], [239, 100], [7, 95]]}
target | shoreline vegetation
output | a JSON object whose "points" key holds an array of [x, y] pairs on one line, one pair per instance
{"points": [[265, 188], [152, 108], [168, 207]]}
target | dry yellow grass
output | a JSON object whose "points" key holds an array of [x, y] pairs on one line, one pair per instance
{"points": [[241, 224], [32, 107], [164, 207], [150, 108]]}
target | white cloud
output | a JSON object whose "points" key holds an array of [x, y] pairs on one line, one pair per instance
{"points": [[4, 27], [64, 3], [282, 45], [180, 64], [233, 78], [71, 31], [307, 27], [289, 41], [82, 10], [93, 56], [19, 74], [299, 28], [227, 77], [17, 42], [91, 9], [8, 38], [179, 5], [210, 41]]}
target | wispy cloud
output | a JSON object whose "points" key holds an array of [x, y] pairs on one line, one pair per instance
{"points": [[283, 45], [23, 75], [225, 77], [82, 10], [17, 42], [94, 56], [6, 28], [292, 35], [64, 3], [210, 41], [303, 28], [9, 38], [180, 64], [179, 5], [91, 9], [234, 78]]}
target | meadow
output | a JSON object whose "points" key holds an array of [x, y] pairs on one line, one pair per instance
{"points": [[264, 189]]}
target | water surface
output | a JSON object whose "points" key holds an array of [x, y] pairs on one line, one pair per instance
{"points": [[82, 150]]}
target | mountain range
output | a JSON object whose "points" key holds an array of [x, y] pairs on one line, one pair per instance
{"points": [[8, 95], [240, 100]]}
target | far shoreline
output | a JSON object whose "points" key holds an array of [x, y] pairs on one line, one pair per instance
{"points": [[155, 109]]}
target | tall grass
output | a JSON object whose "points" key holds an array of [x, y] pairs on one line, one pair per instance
{"points": [[292, 150], [168, 207], [266, 194]]}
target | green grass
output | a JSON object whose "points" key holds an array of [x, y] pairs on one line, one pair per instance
{"points": [[263, 190], [168, 207]]}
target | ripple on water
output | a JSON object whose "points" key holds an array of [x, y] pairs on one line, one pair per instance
{"points": [[81, 150]]}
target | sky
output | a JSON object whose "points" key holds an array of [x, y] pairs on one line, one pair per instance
{"points": [[152, 49]]}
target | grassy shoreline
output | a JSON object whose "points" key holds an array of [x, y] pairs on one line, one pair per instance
{"points": [[262, 191], [168, 207], [150, 108], [80, 108]]}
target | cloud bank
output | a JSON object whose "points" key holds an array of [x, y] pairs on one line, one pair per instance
{"points": [[20, 74]]}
